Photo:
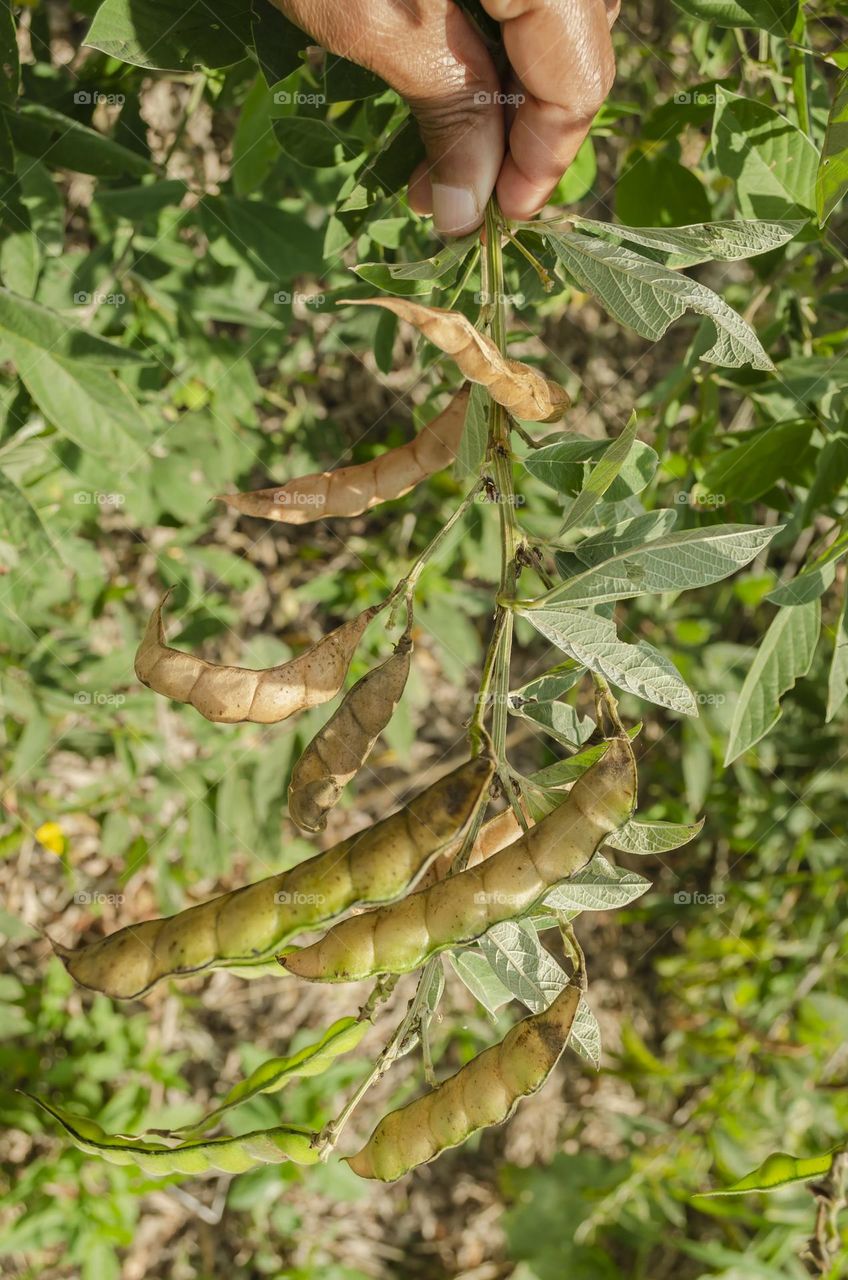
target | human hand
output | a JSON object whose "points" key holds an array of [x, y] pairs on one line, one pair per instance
{"points": [[517, 137]]}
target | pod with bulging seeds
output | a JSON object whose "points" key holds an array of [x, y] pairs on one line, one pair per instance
{"points": [[403, 936], [229, 695], [482, 1093], [517, 386], [349, 491], [340, 748], [247, 926]]}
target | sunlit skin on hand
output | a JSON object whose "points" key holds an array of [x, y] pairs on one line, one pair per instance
{"points": [[515, 134]]}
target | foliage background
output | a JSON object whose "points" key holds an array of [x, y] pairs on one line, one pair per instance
{"points": [[182, 216]]}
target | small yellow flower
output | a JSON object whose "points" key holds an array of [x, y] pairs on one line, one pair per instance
{"points": [[52, 837]]}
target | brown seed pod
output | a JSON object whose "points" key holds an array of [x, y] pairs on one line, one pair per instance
{"points": [[505, 886], [517, 386], [351, 490], [246, 927], [339, 749], [482, 1093], [229, 695]]}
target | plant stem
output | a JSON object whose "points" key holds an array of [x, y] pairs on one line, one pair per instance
{"points": [[798, 60]]}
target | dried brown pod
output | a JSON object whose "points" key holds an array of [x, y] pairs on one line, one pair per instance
{"points": [[340, 748], [517, 386], [232, 694], [349, 491]]}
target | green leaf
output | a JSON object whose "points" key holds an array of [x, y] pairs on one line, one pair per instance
{"points": [[151, 33], [560, 465], [548, 687], [680, 561], [730, 241], [638, 668], [37, 326], [475, 435], [279, 245], [560, 721], [135, 204], [279, 46], [601, 476], [586, 1035], [814, 578], [832, 175], [750, 468], [447, 260], [837, 683], [771, 162], [313, 143], [783, 657], [649, 297], [522, 964], [768, 15], [598, 887], [474, 970], [23, 538], [653, 837], [779, 1170], [9, 60], [229, 1155], [276, 1073], [48, 135], [579, 177], [654, 189], [624, 536]]}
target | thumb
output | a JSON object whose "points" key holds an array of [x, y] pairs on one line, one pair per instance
{"points": [[457, 103], [433, 57]]}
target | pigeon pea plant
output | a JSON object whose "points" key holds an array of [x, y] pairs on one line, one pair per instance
{"points": [[563, 829], [94, 389]]}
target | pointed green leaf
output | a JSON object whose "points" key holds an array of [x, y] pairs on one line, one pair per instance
{"points": [[784, 656], [771, 162], [600, 886], [638, 668], [837, 683], [730, 241], [653, 837], [601, 476], [832, 176], [678, 562], [649, 297], [814, 578]]}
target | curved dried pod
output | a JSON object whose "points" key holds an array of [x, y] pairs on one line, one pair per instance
{"points": [[517, 386], [246, 927], [349, 491], [339, 749], [455, 911], [482, 1093], [229, 695]]}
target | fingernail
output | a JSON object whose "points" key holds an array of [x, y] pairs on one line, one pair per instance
{"points": [[455, 209]]}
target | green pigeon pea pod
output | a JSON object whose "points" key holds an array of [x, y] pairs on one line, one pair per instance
{"points": [[245, 927], [206, 1155], [401, 937], [349, 491], [275, 1073], [339, 749], [482, 1093], [229, 695], [517, 386]]}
